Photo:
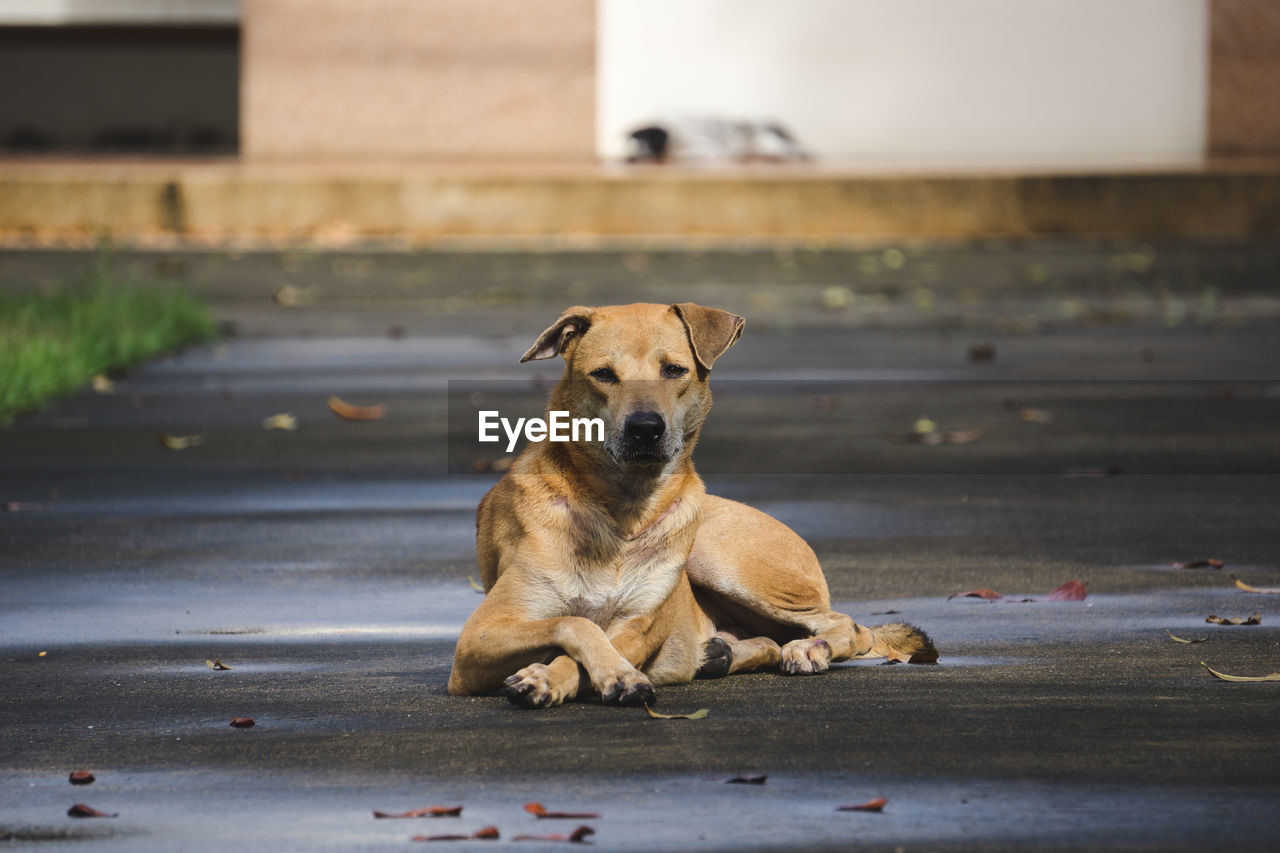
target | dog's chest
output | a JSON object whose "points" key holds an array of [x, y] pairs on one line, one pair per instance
{"points": [[606, 596]]}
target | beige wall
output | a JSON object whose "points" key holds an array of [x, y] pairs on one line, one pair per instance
{"points": [[1244, 78], [438, 79]]}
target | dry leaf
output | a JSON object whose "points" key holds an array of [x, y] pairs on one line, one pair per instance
{"points": [[81, 810], [427, 811], [1260, 590], [502, 464], [242, 722], [1109, 471], [1069, 591], [1206, 563], [1255, 619], [289, 296], [1035, 416], [696, 715], [216, 665], [876, 805], [103, 385], [982, 352], [181, 442], [477, 587], [958, 436], [747, 780], [27, 506], [489, 833], [284, 420], [356, 413], [1178, 639], [540, 812], [988, 594], [81, 777], [578, 836], [1275, 676]]}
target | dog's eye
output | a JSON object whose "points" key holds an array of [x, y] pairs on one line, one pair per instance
{"points": [[673, 371], [604, 374]]}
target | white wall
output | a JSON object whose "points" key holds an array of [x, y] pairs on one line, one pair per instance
{"points": [[884, 79]]}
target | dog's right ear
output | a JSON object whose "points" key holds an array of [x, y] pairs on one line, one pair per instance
{"points": [[572, 323]]}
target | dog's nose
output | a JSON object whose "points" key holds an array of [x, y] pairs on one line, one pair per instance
{"points": [[644, 427]]}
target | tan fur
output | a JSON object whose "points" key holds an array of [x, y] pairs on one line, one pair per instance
{"points": [[607, 568]]}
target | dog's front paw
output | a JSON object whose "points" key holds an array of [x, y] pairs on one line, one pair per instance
{"points": [[627, 688], [809, 656], [532, 687]]}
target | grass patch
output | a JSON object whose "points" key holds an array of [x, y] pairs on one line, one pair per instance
{"points": [[53, 344]]}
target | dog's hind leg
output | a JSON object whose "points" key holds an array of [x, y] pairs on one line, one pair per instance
{"points": [[766, 581]]}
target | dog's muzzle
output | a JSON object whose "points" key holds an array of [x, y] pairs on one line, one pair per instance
{"points": [[642, 438]]}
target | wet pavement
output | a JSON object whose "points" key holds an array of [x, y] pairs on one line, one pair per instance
{"points": [[328, 566]]}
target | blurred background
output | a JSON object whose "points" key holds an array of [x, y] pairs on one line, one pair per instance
{"points": [[433, 119]]}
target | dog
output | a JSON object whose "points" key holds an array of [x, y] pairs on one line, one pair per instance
{"points": [[607, 567]]}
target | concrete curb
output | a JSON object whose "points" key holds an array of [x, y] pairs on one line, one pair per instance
{"points": [[227, 200]]}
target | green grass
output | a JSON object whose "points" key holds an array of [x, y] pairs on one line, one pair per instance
{"points": [[53, 344]]}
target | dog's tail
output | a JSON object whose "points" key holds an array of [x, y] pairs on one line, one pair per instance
{"points": [[901, 642]]}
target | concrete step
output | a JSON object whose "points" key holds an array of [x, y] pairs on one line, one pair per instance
{"points": [[227, 200]]}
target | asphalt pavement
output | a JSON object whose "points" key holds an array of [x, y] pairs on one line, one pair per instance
{"points": [[934, 419]]}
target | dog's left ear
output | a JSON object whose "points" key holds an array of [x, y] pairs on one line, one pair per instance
{"points": [[711, 331], [553, 342]]}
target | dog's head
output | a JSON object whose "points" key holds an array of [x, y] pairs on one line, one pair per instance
{"points": [[641, 368]]}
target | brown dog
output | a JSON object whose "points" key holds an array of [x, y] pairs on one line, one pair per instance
{"points": [[607, 567]]}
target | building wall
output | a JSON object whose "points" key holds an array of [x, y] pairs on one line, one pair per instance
{"points": [[1244, 92], [466, 79], [1059, 79]]}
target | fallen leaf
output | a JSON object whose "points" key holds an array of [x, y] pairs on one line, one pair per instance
{"points": [[982, 352], [356, 413], [539, 811], [1255, 589], [103, 385], [1206, 563], [578, 836], [284, 421], [1109, 471], [395, 332], [696, 715], [747, 780], [477, 587], [216, 665], [242, 722], [81, 810], [502, 464], [988, 594], [427, 811], [876, 805], [955, 436], [290, 296], [181, 442], [1178, 639], [489, 833], [27, 506], [1275, 676], [1255, 619], [1069, 591], [81, 777], [1035, 416]]}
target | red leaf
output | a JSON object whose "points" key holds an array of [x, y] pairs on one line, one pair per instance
{"points": [[578, 836], [1069, 591], [242, 722], [489, 833], [427, 811], [1206, 563], [81, 810], [988, 594], [81, 777], [876, 805], [747, 780], [539, 811]]}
